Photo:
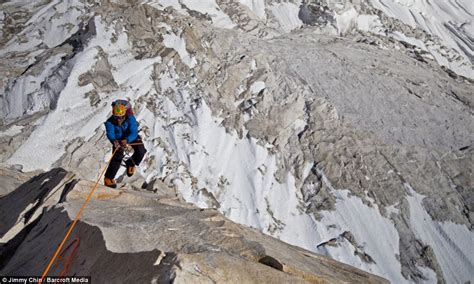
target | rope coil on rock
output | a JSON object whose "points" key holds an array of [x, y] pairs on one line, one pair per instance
{"points": [[67, 260]]}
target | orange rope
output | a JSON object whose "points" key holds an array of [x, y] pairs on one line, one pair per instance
{"points": [[138, 143], [127, 150], [78, 216]]}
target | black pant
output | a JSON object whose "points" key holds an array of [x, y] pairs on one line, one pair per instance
{"points": [[138, 153]]}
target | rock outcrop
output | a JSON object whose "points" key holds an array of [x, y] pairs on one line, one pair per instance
{"points": [[128, 236]]}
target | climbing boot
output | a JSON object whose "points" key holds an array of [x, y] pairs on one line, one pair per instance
{"points": [[130, 168], [110, 182]]}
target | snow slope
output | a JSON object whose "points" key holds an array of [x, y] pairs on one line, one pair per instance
{"points": [[451, 21], [238, 176], [452, 243], [256, 6], [441, 28], [286, 13], [74, 113]]}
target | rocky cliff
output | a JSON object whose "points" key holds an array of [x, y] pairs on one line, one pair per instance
{"points": [[143, 237]]}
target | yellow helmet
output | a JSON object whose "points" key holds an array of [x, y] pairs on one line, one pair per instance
{"points": [[119, 110]]}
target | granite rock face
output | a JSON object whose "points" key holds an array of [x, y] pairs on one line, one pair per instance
{"points": [[126, 236]]}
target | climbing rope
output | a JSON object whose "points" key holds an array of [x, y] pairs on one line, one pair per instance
{"points": [[78, 216], [67, 261]]}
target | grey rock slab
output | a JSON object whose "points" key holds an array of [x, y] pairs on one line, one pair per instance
{"points": [[133, 236], [11, 179]]}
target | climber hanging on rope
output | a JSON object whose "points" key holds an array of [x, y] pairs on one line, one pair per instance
{"points": [[122, 131]]}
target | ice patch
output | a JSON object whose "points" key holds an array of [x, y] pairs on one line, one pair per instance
{"points": [[451, 21], [179, 45], [12, 131], [370, 23], [256, 6], [73, 110], [375, 233], [26, 95], [253, 65], [451, 243], [286, 14], [429, 274], [413, 41], [2, 18], [299, 125], [392, 210], [256, 87], [51, 26], [346, 20], [209, 7]]}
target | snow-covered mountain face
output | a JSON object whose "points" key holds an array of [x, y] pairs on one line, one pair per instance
{"points": [[331, 125], [438, 29]]}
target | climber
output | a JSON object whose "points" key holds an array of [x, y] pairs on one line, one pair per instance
{"points": [[122, 131]]}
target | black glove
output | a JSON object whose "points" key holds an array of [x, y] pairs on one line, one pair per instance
{"points": [[123, 143], [116, 144]]}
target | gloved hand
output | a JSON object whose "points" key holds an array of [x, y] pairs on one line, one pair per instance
{"points": [[116, 144], [123, 143]]}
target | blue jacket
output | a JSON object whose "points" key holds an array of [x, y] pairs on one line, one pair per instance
{"points": [[128, 130]]}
